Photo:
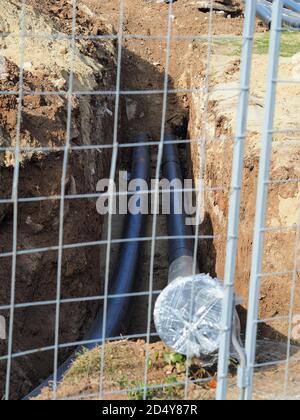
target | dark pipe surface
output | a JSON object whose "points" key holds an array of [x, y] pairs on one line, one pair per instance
{"points": [[176, 222], [264, 13], [125, 272], [291, 20], [292, 5]]}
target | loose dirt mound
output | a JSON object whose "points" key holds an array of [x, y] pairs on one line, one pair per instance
{"points": [[124, 375], [217, 126], [47, 68]]}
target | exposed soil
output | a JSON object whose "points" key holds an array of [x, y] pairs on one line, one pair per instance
{"points": [[143, 64], [44, 122], [217, 126], [143, 68], [124, 375]]}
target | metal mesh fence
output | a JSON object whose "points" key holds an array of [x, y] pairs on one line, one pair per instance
{"points": [[201, 89]]}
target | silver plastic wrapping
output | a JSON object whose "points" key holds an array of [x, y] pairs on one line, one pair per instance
{"points": [[188, 313]]}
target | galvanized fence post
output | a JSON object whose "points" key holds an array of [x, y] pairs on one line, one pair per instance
{"points": [[262, 193], [235, 198]]}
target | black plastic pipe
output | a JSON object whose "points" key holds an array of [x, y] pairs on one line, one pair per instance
{"points": [[264, 13], [126, 271], [125, 274], [290, 4], [176, 223]]}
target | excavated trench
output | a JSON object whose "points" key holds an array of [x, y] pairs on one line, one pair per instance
{"points": [[43, 135], [44, 124]]}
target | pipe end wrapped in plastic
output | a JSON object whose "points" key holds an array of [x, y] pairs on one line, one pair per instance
{"points": [[188, 315]]}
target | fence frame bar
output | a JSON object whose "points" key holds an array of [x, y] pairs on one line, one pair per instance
{"points": [[262, 194]]}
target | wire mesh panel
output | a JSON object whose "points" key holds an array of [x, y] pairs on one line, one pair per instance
{"points": [[103, 105], [259, 265]]}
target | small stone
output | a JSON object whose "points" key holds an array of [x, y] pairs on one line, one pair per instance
{"points": [[35, 227], [4, 76], [59, 83], [72, 186], [168, 369]]}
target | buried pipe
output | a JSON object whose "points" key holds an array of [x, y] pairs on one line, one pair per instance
{"points": [[125, 274], [290, 5], [290, 19], [188, 312], [290, 14], [264, 13]]}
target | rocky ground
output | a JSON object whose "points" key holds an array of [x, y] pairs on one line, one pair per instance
{"points": [[143, 67]]}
